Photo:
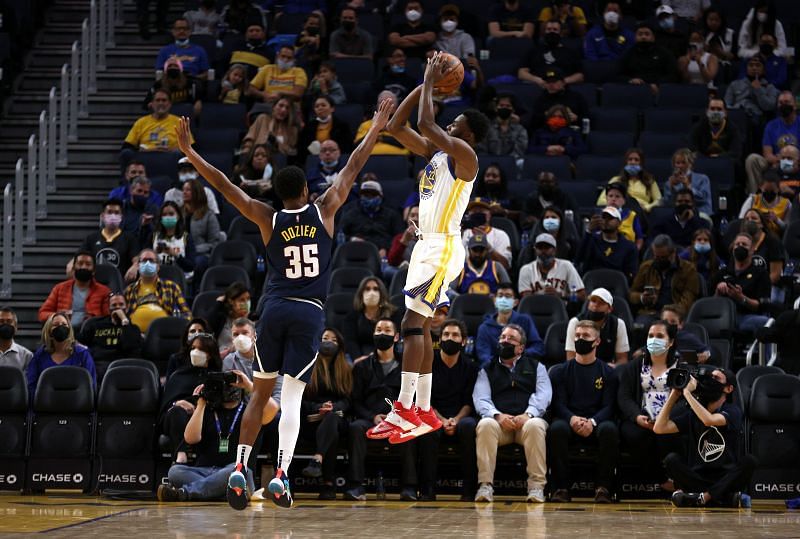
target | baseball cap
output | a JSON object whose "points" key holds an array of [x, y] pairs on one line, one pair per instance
{"points": [[619, 186], [184, 162], [553, 73], [371, 185], [602, 294], [546, 238], [478, 201], [613, 212], [478, 240], [664, 10]]}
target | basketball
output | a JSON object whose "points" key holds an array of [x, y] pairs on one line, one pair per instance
{"points": [[453, 77]]}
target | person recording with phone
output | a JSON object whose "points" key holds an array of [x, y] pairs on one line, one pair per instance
{"points": [[683, 177], [112, 337]]}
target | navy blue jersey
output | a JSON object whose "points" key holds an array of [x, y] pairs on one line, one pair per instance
{"points": [[299, 255]]}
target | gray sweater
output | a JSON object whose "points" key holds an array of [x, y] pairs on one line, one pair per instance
{"points": [[205, 232]]}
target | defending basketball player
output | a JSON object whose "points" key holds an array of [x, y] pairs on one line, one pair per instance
{"points": [[299, 243], [438, 256]]}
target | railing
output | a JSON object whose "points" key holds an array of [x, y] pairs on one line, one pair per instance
{"points": [[25, 199]]}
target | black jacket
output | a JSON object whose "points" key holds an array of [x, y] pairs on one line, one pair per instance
{"points": [[340, 132], [371, 387], [108, 341]]}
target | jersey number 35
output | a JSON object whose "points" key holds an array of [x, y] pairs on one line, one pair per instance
{"points": [[302, 261]]}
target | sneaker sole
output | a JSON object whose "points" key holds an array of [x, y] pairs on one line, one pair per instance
{"points": [[401, 437], [236, 493], [280, 493]]}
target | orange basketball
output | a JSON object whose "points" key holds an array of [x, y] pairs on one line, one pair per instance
{"points": [[453, 77]]}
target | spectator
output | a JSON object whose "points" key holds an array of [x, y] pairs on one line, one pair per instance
{"points": [[111, 245], [134, 169], [350, 40], [171, 241], [681, 225], [511, 395], [151, 297], [80, 297], [181, 358], [613, 347], [637, 181], [277, 128], [204, 20], [253, 53], [394, 78], [690, 10], [12, 353], [240, 360], [403, 243], [631, 224], [387, 144], [492, 186], [203, 226], [492, 326], [552, 54], [776, 69], [480, 275], [193, 58], [477, 221], [112, 337], [753, 92], [255, 173], [768, 202], [778, 133], [371, 220], [603, 246], [371, 303], [548, 194], [324, 405], [557, 138], [505, 136], [548, 274], [642, 393], [768, 251], [510, 19], [610, 40], [683, 177], [668, 35], [552, 221], [584, 393], [675, 316], [187, 172], [234, 86], [414, 35], [181, 88], [573, 20], [137, 210], [234, 304], [789, 173], [761, 19], [324, 126], [327, 169], [311, 42], [714, 135], [279, 80], [664, 279], [701, 253], [451, 39], [58, 348], [154, 132], [558, 93], [648, 62], [716, 475], [325, 84], [746, 284], [719, 37], [698, 66], [240, 15]]}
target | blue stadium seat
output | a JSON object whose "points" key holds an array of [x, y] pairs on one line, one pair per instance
{"points": [[160, 163], [558, 165], [388, 168], [626, 95], [660, 167], [668, 120], [608, 143], [182, 109], [215, 115], [584, 192], [290, 23], [520, 190], [600, 167], [396, 193], [624, 119], [509, 47], [657, 144], [353, 69], [449, 114], [682, 96], [506, 163], [357, 254], [720, 170], [222, 276], [600, 72], [372, 23], [500, 66], [222, 160], [588, 91], [788, 11], [216, 140], [352, 114], [209, 44], [525, 94], [358, 91]]}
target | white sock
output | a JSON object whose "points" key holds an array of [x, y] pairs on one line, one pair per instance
{"points": [[424, 383], [243, 454], [289, 424], [408, 385]]}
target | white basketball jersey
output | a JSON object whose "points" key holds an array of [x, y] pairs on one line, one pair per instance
{"points": [[443, 199]]}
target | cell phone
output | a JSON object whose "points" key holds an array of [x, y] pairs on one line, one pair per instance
{"points": [[729, 280], [650, 290], [688, 356]]}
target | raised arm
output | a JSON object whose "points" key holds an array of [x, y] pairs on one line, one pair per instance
{"points": [[403, 133], [258, 212], [461, 152], [331, 200]]}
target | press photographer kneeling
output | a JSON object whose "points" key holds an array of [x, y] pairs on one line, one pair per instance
{"points": [[213, 430], [715, 472]]}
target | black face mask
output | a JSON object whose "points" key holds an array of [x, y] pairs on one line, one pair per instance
{"points": [[645, 45], [312, 30], [231, 394], [752, 228], [450, 347], [680, 209], [506, 350], [83, 275], [60, 333], [769, 196], [173, 73], [504, 114], [383, 342], [477, 261], [6, 332], [328, 348], [661, 264], [348, 26], [552, 40], [595, 316], [547, 191], [709, 390], [740, 253], [786, 110], [254, 43], [766, 49], [583, 347]]}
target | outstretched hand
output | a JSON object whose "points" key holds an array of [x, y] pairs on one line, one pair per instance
{"points": [[184, 133], [436, 68], [381, 116]]}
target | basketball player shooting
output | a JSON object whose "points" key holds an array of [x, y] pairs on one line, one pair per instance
{"points": [[438, 256], [299, 243]]}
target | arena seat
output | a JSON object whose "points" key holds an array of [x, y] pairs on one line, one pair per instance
{"points": [[109, 275], [600, 72], [507, 225], [159, 163], [555, 340], [352, 114], [659, 144], [716, 314], [745, 379], [682, 96], [163, 338], [448, 114], [612, 280], [220, 277], [623, 119], [204, 303], [559, 165], [337, 306], [544, 309], [471, 309], [610, 143], [137, 362], [774, 420], [507, 164], [362, 254], [498, 67], [697, 330], [215, 139], [721, 353], [601, 167], [348, 279], [396, 193], [387, 167], [626, 95], [398, 281], [175, 274], [242, 228], [583, 192], [354, 69], [525, 94], [521, 190], [357, 91], [588, 91], [791, 240], [235, 253], [13, 425], [509, 47], [220, 115], [668, 120]]}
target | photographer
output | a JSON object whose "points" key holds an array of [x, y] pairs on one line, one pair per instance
{"points": [[112, 337], [715, 472], [213, 430]]}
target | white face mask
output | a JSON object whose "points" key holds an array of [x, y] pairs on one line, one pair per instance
{"points": [[449, 26], [186, 176], [762, 17], [199, 358], [371, 298], [243, 344], [611, 17], [413, 15]]}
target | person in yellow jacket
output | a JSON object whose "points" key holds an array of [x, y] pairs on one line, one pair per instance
{"points": [[640, 184]]}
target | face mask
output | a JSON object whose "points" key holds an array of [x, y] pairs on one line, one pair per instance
{"points": [[656, 346], [551, 39], [547, 191], [283, 66], [611, 18], [715, 116], [450, 347], [667, 23], [583, 346], [752, 228], [139, 201], [506, 350], [477, 261], [787, 165], [83, 275], [198, 358], [504, 114], [504, 304], [383, 342], [60, 333], [370, 205], [545, 261], [348, 26], [6, 332], [242, 343], [186, 176], [786, 110], [702, 248], [169, 221], [328, 348], [709, 390], [254, 43], [323, 119], [769, 196], [413, 15], [329, 164], [740, 253], [661, 264], [245, 306], [147, 268], [371, 298], [762, 17], [312, 30], [182, 42], [633, 170], [173, 73], [556, 122], [680, 209], [645, 45], [112, 220], [595, 316], [398, 69], [449, 26], [551, 224], [231, 394], [766, 49]]}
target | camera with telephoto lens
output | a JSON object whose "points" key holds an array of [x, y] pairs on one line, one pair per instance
{"points": [[678, 377], [215, 386]]}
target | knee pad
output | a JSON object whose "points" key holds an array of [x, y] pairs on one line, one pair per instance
{"points": [[409, 332]]}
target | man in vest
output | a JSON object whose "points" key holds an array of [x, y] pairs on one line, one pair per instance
{"points": [[511, 395], [614, 347], [480, 275]]}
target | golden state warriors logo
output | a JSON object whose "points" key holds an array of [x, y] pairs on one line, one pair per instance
{"points": [[427, 182], [787, 139]]}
